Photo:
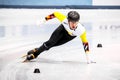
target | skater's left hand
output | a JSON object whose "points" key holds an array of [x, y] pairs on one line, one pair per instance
{"points": [[89, 58], [90, 61]]}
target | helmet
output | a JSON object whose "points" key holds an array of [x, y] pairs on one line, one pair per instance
{"points": [[73, 16]]}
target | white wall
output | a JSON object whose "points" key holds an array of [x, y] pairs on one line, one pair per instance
{"points": [[21, 23], [30, 16], [106, 2], [17, 17], [20, 17]]}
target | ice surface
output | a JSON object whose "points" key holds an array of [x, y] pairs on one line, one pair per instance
{"points": [[66, 62]]}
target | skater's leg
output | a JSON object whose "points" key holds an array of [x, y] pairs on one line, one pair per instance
{"points": [[55, 37], [59, 37]]}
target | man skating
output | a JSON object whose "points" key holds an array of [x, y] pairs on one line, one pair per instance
{"points": [[69, 28]]}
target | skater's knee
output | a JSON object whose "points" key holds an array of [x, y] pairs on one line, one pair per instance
{"points": [[49, 44], [46, 47]]}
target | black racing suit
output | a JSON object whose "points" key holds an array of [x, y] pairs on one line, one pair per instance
{"points": [[58, 37]]}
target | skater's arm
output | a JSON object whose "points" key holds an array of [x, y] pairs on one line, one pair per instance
{"points": [[86, 48], [57, 15], [85, 42]]}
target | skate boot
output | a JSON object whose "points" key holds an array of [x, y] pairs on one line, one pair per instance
{"points": [[30, 55]]}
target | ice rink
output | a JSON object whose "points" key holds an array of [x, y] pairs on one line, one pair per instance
{"points": [[65, 62]]}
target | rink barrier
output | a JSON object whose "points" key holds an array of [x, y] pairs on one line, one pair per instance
{"points": [[110, 27], [60, 7]]}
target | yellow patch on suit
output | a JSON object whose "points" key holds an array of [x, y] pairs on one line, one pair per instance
{"points": [[83, 37], [59, 16]]}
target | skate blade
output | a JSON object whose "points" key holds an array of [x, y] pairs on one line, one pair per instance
{"points": [[23, 56], [25, 61]]}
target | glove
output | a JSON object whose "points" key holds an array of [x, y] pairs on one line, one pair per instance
{"points": [[40, 22], [89, 58]]}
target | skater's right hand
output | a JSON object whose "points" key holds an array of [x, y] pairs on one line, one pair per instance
{"points": [[40, 22]]}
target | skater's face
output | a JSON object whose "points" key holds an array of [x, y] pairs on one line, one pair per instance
{"points": [[73, 25]]}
